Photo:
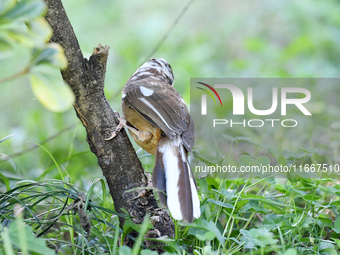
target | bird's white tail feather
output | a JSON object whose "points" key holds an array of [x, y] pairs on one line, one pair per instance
{"points": [[195, 199], [179, 194]]}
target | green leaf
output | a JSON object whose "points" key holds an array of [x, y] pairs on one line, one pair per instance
{"points": [[272, 221], [255, 205], [290, 251], [5, 180], [272, 151], [169, 241], [262, 161], [229, 138], [202, 234], [337, 241], [311, 197], [25, 10], [53, 54], [219, 203], [209, 226], [19, 233], [337, 225], [309, 150], [282, 161], [144, 227], [245, 160], [228, 193], [7, 245], [19, 33], [292, 154], [124, 250], [41, 30], [148, 252], [51, 91], [329, 251], [243, 138], [257, 237], [281, 188], [238, 181], [5, 5]]}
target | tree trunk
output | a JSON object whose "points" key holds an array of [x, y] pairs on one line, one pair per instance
{"points": [[117, 158]]}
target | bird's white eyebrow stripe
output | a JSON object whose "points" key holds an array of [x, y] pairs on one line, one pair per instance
{"points": [[153, 108]]}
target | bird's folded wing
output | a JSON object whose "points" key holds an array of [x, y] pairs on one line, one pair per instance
{"points": [[163, 107]]}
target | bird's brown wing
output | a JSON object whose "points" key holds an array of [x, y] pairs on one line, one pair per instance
{"points": [[162, 106]]}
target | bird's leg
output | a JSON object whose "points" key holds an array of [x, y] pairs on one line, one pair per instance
{"points": [[142, 135]]}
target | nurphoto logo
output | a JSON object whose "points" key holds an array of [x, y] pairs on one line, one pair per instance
{"points": [[238, 98]]}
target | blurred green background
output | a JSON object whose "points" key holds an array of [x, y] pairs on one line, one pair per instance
{"points": [[213, 39]]}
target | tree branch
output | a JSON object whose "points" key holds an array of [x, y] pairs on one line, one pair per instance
{"points": [[117, 158]]}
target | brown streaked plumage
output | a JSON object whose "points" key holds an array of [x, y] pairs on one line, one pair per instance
{"points": [[159, 121]]}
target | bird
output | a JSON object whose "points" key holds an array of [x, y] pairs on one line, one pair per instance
{"points": [[159, 121]]}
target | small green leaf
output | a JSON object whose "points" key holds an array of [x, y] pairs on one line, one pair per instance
{"points": [[337, 225], [255, 205], [282, 160], [281, 188], [311, 197], [257, 237], [300, 192], [272, 221], [238, 181], [219, 203], [245, 160], [51, 92], [262, 161], [53, 54], [329, 251], [5, 180], [337, 241], [19, 33], [292, 154], [229, 138], [272, 151], [25, 10], [148, 252], [169, 241], [202, 234], [228, 193], [309, 150], [290, 251], [41, 29], [243, 138], [6, 5], [124, 250], [18, 229]]}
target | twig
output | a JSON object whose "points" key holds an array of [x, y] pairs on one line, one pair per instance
{"points": [[16, 75], [48, 139], [171, 28]]}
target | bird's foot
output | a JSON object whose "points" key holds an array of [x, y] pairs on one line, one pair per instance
{"points": [[142, 135], [122, 123], [143, 192]]}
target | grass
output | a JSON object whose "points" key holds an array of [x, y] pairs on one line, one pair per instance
{"points": [[239, 216]]}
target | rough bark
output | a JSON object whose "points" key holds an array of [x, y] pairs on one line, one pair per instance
{"points": [[117, 158]]}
